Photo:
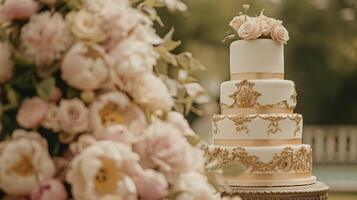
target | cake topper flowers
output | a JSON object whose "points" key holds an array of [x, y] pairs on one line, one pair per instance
{"points": [[251, 28]]}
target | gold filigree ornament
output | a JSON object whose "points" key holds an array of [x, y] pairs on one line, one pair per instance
{"points": [[245, 96], [298, 120], [240, 122], [215, 120], [287, 160], [273, 126]]}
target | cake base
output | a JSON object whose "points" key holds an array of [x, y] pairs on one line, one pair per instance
{"points": [[268, 183], [314, 191]]}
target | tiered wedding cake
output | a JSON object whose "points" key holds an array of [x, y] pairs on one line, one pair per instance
{"points": [[257, 126]]}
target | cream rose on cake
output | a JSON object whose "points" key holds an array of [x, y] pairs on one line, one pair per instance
{"points": [[250, 30], [6, 69], [104, 168], [279, 33], [74, 116], [115, 108], [24, 161], [86, 26], [85, 67], [45, 38], [145, 89], [237, 21]]}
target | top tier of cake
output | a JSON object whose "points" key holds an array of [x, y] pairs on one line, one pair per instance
{"points": [[261, 56]]}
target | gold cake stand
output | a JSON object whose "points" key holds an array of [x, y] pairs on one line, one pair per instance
{"points": [[316, 191]]}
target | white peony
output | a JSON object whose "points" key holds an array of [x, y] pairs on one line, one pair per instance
{"points": [[151, 92], [179, 121], [280, 34], [174, 5], [85, 26], [133, 57], [104, 169], [25, 162], [52, 119], [194, 186], [115, 108], [74, 116], [45, 38], [6, 69], [85, 67], [249, 30]]}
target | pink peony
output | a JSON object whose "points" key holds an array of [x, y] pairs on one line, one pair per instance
{"points": [[32, 112], [50, 190], [164, 147], [45, 38], [56, 95], [151, 185], [19, 9]]}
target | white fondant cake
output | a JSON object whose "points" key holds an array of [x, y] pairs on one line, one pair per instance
{"points": [[257, 126], [256, 56], [242, 130], [266, 166], [264, 96]]}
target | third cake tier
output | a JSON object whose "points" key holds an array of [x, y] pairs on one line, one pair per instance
{"points": [[257, 129]]}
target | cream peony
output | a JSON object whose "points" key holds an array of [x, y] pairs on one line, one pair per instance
{"points": [[194, 186], [45, 38], [19, 9], [104, 169], [24, 161], [151, 92], [118, 133], [6, 69], [115, 108], [249, 30], [52, 119], [74, 116], [179, 121], [32, 112], [237, 21], [280, 34], [85, 26], [163, 147], [85, 67], [133, 57], [151, 185]]}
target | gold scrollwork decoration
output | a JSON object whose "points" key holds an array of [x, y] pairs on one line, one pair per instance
{"points": [[287, 160], [245, 96], [240, 122]]}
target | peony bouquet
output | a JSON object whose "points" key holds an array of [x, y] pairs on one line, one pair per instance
{"points": [[91, 103]]}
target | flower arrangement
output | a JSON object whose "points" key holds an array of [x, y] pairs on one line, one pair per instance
{"points": [[251, 28], [91, 103]]}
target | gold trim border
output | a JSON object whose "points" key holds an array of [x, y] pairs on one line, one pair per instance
{"points": [[256, 110], [256, 142], [257, 75]]}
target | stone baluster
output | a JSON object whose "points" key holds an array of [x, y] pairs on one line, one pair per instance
{"points": [[330, 145], [353, 145], [318, 148], [342, 134]]}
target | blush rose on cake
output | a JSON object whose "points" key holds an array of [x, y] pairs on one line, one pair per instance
{"points": [[93, 103]]}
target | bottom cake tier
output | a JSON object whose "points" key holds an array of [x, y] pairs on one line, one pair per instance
{"points": [[265, 166]]}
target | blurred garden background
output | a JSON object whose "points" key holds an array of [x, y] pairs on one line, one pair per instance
{"points": [[320, 57]]}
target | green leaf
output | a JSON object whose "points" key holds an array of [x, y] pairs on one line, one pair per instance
{"points": [[166, 55], [45, 87], [189, 102], [161, 67], [230, 37], [179, 107], [194, 140], [12, 98], [233, 169], [73, 93]]}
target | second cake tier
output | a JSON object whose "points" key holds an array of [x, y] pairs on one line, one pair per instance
{"points": [[257, 129], [257, 96]]}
